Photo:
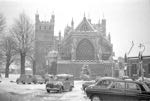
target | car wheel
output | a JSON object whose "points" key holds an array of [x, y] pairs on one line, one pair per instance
{"points": [[96, 98], [34, 82], [23, 82], [48, 91]]}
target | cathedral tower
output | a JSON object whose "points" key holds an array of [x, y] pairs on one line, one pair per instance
{"points": [[44, 36]]}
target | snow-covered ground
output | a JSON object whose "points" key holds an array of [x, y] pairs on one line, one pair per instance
{"points": [[76, 95], [37, 92]]}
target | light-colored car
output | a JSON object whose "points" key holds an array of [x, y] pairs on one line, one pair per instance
{"points": [[61, 82]]}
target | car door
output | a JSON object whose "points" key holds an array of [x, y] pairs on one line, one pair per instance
{"points": [[117, 91], [132, 91]]}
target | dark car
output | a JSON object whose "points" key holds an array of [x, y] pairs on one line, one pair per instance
{"points": [[24, 79], [111, 89], [61, 82], [38, 79]]}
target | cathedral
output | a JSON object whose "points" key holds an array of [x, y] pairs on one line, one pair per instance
{"points": [[88, 43]]}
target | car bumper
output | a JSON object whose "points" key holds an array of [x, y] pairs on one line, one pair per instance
{"points": [[52, 89], [40, 81]]}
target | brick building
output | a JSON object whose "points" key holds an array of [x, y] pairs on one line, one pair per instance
{"points": [[133, 66]]}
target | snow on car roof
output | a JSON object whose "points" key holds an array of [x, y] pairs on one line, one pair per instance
{"points": [[64, 75], [111, 78]]}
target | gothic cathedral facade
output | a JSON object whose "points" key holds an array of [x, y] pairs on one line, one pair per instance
{"points": [[87, 41]]}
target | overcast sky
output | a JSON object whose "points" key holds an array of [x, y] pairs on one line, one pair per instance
{"points": [[127, 20]]}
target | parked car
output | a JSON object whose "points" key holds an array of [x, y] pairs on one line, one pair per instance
{"points": [[24, 79], [38, 79], [112, 89], [61, 82]]}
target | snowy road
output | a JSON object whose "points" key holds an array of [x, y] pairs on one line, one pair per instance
{"points": [[37, 92]]}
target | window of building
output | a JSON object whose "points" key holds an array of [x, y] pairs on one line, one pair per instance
{"points": [[45, 27], [149, 68], [134, 69]]}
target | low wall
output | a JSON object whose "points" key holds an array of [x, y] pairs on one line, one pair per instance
{"points": [[96, 69]]}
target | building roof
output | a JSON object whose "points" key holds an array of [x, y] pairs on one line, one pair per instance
{"points": [[85, 25]]}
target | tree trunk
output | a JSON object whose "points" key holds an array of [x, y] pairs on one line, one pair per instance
{"points": [[34, 68], [7, 67], [23, 55]]}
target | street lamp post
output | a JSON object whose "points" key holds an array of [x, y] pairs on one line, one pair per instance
{"points": [[125, 64], [126, 60]]}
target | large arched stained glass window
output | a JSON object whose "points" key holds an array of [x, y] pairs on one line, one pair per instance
{"points": [[85, 50]]}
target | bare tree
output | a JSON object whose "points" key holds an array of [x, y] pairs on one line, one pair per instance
{"points": [[8, 51], [31, 57], [2, 23], [22, 31]]}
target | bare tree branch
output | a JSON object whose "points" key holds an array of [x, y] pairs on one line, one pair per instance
{"points": [[8, 52], [2, 23], [23, 33]]}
